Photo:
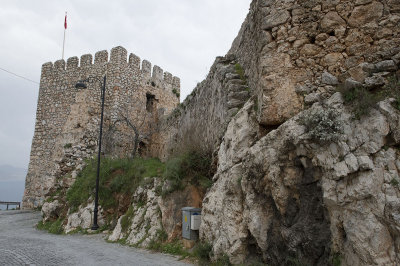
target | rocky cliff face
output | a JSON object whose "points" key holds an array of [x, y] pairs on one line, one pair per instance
{"points": [[288, 196], [300, 179]]}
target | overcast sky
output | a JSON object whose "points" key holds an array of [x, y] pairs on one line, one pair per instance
{"points": [[181, 36]]}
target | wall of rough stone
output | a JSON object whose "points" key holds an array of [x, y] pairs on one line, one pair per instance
{"points": [[67, 119], [294, 51], [201, 120]]}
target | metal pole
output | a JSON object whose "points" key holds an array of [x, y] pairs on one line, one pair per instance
{"points": [[96, 200]]}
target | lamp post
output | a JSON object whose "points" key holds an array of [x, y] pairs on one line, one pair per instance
{"points": [[82, 85]]}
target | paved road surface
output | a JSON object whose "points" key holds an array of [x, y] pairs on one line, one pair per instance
{"points": [[22, 244]]}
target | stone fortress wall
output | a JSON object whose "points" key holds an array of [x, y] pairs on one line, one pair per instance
{"points": [[67, 119], [296, 52]]}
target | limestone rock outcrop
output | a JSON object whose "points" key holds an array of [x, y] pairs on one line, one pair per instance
{"points": [[83, 218], [152, 215], [287, 196]]}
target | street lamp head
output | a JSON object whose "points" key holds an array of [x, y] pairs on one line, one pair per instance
{"points": [[80, 85]]}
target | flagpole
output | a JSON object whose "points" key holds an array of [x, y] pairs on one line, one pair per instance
{"points": [[65, 29]]}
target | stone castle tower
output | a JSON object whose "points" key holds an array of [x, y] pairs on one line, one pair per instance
{"points": [[67, 119]]}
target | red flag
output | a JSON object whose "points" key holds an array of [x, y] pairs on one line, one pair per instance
{"points": [[65, 22]]}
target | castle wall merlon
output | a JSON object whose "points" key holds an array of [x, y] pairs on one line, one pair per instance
{"points": [[59, 65], [168, 78], [101, 57], [157, 72], [119, 55], [176, 83], [47, 68], [134, 61], [86, 60], [146, 68], [72, 63]]}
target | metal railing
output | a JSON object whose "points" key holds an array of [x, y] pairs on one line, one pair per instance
{"points": [[12, 203]]}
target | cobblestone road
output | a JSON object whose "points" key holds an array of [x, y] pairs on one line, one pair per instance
{"points": [[22, 244]]}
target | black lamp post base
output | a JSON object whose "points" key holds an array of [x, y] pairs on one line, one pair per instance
{"points": [[94, 227]]}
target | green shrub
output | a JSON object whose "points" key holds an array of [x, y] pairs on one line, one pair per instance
{"points": [[363, 100], [53, 227], [174, 248], [336, 259], [393, 86], [394, 182], [158, 242], [126, 219], [162, 235], [322, 125], [202, 251], [222, 261], [67, 146], [175, 91], [396, 103], [193, 166], [154, 245], [240, 71]]}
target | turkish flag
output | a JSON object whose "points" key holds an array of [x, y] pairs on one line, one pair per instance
{"points": [[65, 22]]}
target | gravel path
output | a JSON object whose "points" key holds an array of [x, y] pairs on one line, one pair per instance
{"points": [[22, 244]]}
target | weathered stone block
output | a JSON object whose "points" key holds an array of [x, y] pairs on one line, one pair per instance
{"points": [[331, 21], [364, 14], [276, 18]]}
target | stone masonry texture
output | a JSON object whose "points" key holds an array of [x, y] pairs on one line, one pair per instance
{"points": [[286, 46], [67, 119]]}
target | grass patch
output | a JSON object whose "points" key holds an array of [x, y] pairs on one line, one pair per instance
{"points": [[53, 227], [174, 248], [222, 261], [126, 219], [203, 251], [394, 182], [336, 259], [116, 176], [78, 230], [363, 100], [49, 199], [119, 178]]}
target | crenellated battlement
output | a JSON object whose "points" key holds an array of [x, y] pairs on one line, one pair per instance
{"points": [[118, 58], [67, 118]]}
